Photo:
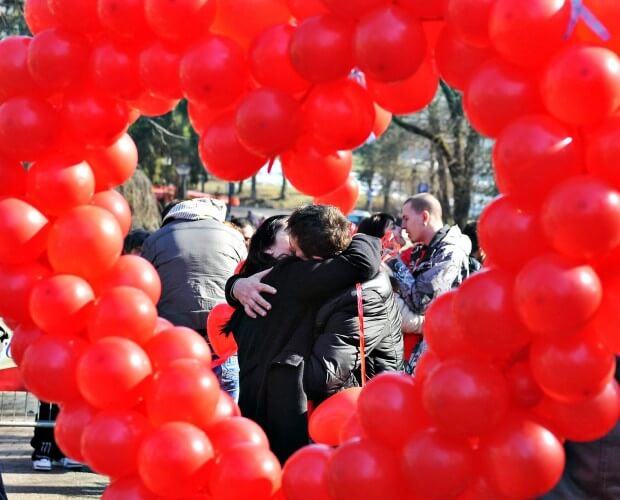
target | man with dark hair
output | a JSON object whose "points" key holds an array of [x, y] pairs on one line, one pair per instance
{"points": [[246, 228]]}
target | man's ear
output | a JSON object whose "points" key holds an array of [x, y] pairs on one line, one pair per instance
{"points": [[426, 216]]}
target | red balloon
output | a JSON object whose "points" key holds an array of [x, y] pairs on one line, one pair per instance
{"points": [[76, 15], [223, 155], [17, 282], [115, 203], [57, 58], [24, 335], [353, 8], [69, 426], [224, 410], [385, 407], [222, 344], [112, 372], [214, 72], [28, 128], [531, 155], [457, 61], [13, 179], [497, 94], [352, 430], [382, 37], [522, 459], [314, 171], [48, 368], [573, 368], [554, 295], [245, 471], [465, 397], [38, 15], [111, 439], [151, 105], [581, 85], [127, 488], [339, 114], [86, 241], [304, 476], [483, 307], [410, 95], [115, 70], [162, 323], [268, 121], [606, 321], [581, 217], [56, 185], [366, 470], [436, 465], [470, 19], [159, 70], [509, 235], [124, 19], [383, 119], [344, 197], [524, 389], [123, 311], [316, 37], [303, 9], [231, 432], [115, 164], [23, 232], [425, 9], [602, 148], [182, 469], [134, 271], [184, 390], [15, 78], [609, 11], [175, 344], [529, 34], [180, 21], [61, 303], [201, 117], [96, 120], [327, 420]]}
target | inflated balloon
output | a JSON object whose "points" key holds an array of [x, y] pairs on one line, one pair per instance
{"points": [[177, 343], [524, 390], [382, 37], [352, 429], [353, 9], [268, 121], [222, 153], [610, 13], [224, 410], [18, 281], [316, 37], [15, 78], [57, 58], [314, 171], [114, 164], [38, 15], [231, 432], [581, 85], [23, 232], [13, 179], [201, 117], [115, 71], [383, 119], [179, 21], [48, 368], [330, 416], [497, 94], [344, 197], [223, 344], [436, 465], [111, 439], [602, 150], [124, 20], [182, 469], [86, 241], [69, 426], [470, 19], [76, 15], [22, 337], [303, 9], [111, 373], [270, 63], [115, 203], [57, 185], [151, 105], [214, 72], [407, 96], [134, 271], [425, 9], [127, 488], [304, 476], [339, 114], [532, 154], [159, 70], [553, 295], [61, 303]]}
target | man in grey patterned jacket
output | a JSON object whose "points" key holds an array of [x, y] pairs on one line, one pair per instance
{"points": [[438, 263]]}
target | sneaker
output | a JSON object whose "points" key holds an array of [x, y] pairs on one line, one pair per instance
{"points": [[43, 463], [68, 463]]}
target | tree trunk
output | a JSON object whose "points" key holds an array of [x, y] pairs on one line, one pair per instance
{"points": [[443, 194], [283, 189], [240, 187], [253, 194], [369, 196], [387, 188]]}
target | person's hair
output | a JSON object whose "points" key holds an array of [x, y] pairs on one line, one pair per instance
{"points": [[241, 222], [426, 201], [167, 209], [376, 224], [265, 236], [320, 230], [134, 240], [471, 230]]}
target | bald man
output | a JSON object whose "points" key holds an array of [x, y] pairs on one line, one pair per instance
{"points": [[439, 262]]}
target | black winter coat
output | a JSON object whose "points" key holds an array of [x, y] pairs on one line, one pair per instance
{"points": [[335, 360], [272, 349]]}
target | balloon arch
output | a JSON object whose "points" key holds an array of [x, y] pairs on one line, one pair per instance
{"points": [[522, 355]]}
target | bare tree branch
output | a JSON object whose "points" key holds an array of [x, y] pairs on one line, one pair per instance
{"points": [[165, 131], [436, 139]]}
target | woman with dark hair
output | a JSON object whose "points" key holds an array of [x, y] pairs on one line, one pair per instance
{"points": [[377, 224], [269, 243]]}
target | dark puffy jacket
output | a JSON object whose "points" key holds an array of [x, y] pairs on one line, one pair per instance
{"points": [[335, 360]]}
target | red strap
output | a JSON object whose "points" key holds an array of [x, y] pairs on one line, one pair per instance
{"points": [[360, 317]]}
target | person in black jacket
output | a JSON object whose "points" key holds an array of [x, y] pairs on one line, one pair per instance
{"points": [[273, 348]]}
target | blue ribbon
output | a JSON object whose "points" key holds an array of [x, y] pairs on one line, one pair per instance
{"points": [[581, 12]]}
